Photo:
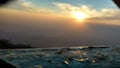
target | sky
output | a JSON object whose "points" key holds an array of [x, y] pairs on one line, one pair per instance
{"points": [[58, 23]]}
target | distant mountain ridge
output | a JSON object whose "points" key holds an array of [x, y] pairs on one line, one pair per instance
{"points": [[6, 44]]}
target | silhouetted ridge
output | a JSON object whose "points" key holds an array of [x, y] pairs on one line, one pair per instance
{"points": [[6, 44]]}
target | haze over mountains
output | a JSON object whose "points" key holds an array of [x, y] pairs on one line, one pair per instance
{"points": [[56, 31]]}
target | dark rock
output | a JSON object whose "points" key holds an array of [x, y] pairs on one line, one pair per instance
{"points": [[4, 64], [60, 52], [90, 47], [49, 61]]}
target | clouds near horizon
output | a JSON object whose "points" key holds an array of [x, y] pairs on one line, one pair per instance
{"points": [[25, 20], [68, 8]]}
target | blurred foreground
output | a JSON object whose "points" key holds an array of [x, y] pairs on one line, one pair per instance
{"points": [[74, 57]]}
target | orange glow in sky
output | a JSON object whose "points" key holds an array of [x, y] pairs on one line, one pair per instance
{"points": [[80, 16]]}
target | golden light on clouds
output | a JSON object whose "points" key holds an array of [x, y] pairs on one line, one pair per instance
{"points": [[80, 16]]}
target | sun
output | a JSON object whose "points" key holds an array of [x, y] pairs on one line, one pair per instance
{"points": [[80, 16]]}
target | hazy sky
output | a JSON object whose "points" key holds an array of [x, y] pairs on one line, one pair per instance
{"points": [[45, 23]]}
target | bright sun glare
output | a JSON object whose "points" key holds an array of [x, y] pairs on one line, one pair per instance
{"points": [[79, 15]]}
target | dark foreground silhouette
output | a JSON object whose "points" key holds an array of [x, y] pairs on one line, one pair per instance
{"points": [[117, 2], [4, 2], [4, 64]]}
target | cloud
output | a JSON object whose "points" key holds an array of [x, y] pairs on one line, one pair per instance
{"points": [[105, 12], [107, 16], [27, 6], [104, 16], [54, 31]]}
